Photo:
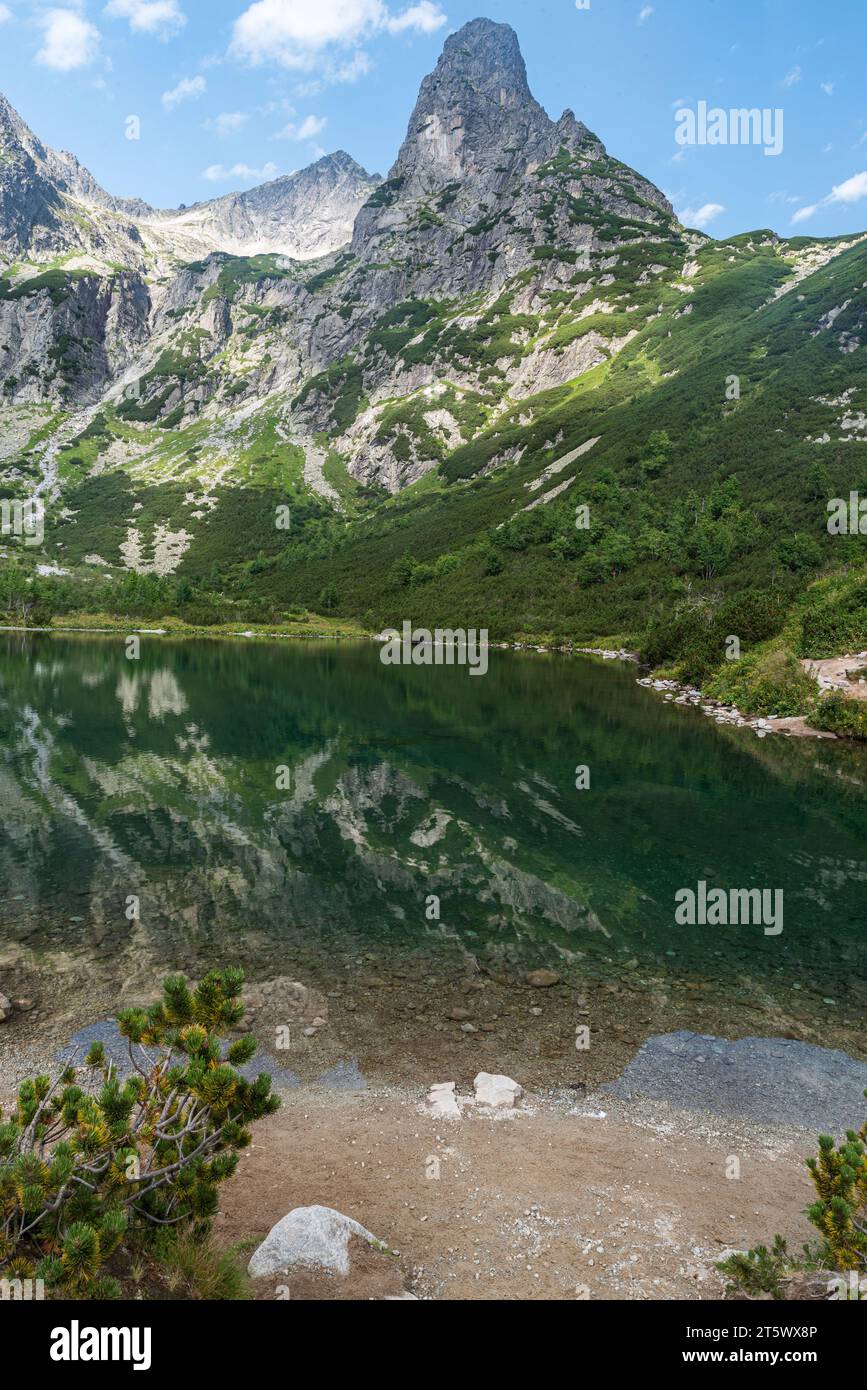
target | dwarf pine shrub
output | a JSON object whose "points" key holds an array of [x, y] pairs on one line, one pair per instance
{"points": [[90, 1163]]}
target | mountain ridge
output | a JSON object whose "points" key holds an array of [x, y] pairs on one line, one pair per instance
{"points": [[35, 180]]}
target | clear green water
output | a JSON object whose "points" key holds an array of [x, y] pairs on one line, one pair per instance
{"points": [[156, 778]]}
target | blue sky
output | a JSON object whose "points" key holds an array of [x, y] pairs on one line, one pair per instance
{"points": [[229, 92]]}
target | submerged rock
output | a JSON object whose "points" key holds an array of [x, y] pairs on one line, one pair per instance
{"points": [[344, 1076], [543, 979]]}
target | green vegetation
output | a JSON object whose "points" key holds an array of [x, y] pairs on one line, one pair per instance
{"points": [[58, 284], [94, 1169], [705, 492]]}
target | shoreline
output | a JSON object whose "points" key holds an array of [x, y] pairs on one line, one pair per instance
{"points": [[674, 692], [565, 1197]]}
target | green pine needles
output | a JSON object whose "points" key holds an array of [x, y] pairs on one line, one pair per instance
{"points": [[91, 1165]]}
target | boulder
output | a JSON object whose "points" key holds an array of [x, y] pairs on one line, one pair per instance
{"points": [[442, 1101], [309, 1238], [5, 1008], [499, 1091], [543, 979]]}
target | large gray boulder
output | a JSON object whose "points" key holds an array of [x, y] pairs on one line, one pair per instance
{"points": [[309, 1238]]}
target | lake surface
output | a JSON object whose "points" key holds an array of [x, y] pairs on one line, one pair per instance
{"points": [[157, 779]]}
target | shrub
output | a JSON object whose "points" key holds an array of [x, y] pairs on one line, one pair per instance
{"points": [[759, 1270], [89, 1163], [838, 715], [768, 681], [839, 1175]]}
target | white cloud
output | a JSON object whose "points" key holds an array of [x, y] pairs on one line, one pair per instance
{"points": [[297, 34], [350, 71], [828, 88], [422, 18], [218, 173], [850, 191], [309, 128], [188, 89], [69, 41], [792, 78], [160, 17], [5, 14], [312, 126], [359, 65], [228, 123], [645, 14], [700, 217]]}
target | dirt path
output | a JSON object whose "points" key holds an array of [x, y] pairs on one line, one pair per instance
{"points": [[847, 674], [551, 1202]]}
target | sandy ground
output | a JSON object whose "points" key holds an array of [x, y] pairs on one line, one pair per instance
{"points": [[549, 1202]]}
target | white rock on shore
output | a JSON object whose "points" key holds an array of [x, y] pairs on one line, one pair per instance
{"points": [[498, 1091], [678, 694], [442, 1101], [310, 1238]]}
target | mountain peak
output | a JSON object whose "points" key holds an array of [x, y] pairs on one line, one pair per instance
{"points": [[481, 63], [475, 103], [487, 49]]}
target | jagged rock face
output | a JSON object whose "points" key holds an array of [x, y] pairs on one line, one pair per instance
{"points": [[50, 205], [491, 199], [73, 346], [471, 195], [303, 216], [477, 100]]}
